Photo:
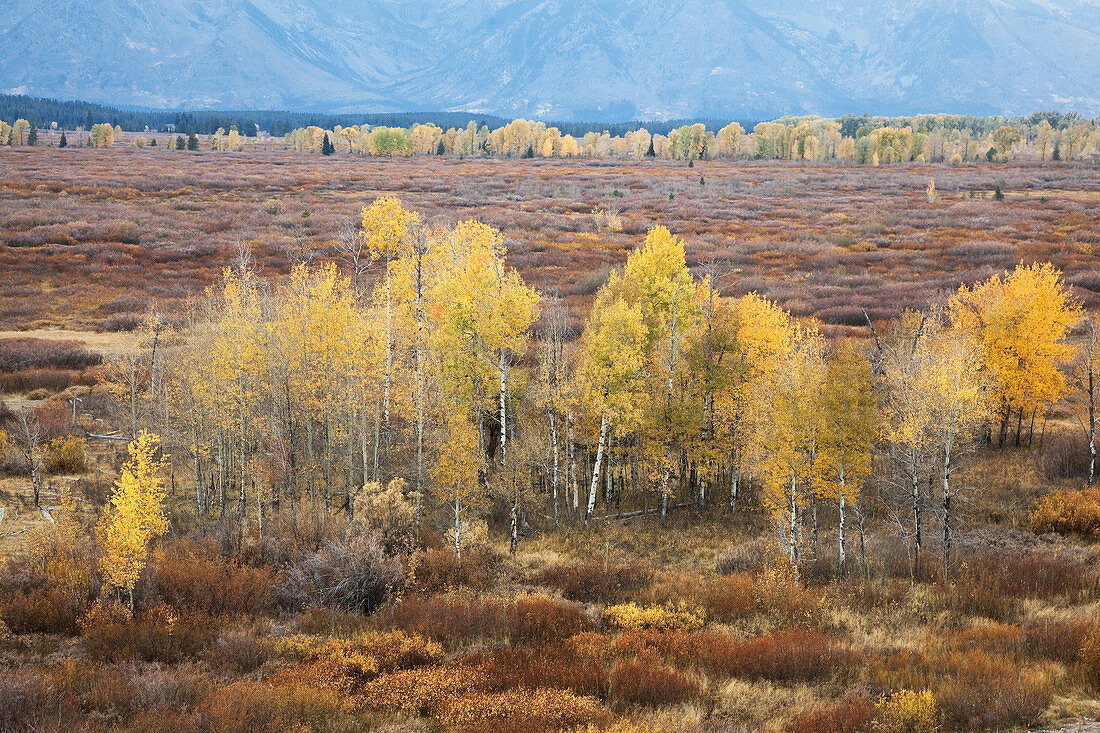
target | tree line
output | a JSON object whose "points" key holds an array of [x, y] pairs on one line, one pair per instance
{"points": [[874, 140], [417, 371]]}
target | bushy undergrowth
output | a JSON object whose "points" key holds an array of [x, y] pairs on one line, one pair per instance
{"points": [[1069, 512]]}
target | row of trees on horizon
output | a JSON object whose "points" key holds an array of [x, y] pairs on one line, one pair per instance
{"points": [[865, 140]]}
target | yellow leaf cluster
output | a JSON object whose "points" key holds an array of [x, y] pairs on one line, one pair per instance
{"points": [[135, 516], [671, 617]]}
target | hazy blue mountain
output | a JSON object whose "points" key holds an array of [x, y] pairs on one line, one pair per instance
{"points": [[561, 59]]}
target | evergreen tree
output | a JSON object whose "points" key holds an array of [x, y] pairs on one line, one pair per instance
{"points": [[180, 145], [153, 143], [651, 153], [32, 136], [192, 141], [64, 141], [327, 148], [998, 194], [1057, 154]]}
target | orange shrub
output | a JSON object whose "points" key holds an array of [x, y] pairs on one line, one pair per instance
{"points": [[724, 598], [540, 619], [347, 665], [1056, 640], [640, 682], [438, 569], [67, 454], [190, 577], [453, 618], [262, 708], [591, 580], [1069, 512], [156, 634], [420, 691], [854, 715], [1090, 661], [520, 710], [976, 691]]}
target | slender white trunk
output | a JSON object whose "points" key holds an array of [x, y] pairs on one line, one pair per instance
{"points": [[573, 465], [793, 524], [389, 351], [458, 528], [554, 468], [596, 471], [841, 533]]}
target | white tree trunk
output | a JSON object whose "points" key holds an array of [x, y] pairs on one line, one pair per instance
{"points": [[596, 471]]}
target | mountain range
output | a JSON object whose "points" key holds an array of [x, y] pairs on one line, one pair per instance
{"points": [[561, 59]]}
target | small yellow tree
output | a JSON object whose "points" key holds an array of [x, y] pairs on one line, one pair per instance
{"points": [[135, 516]]}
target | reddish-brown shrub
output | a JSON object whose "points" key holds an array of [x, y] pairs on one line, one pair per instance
{"points": [[590, 581], [990, 584], [158, 634], [194, 577], [723, 598], [641, 682], [790, 656], [239, 650], [530, 711], [1090, 661], [853, 715], [577, 663], [540, 619], [263, 708], [976, 691], [29, 703], [451, 618], [353, 573], [34, 602], [435, 570], [1056, 640], [17, 354]]}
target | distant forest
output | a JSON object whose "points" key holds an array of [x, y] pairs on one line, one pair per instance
{"points": [[42, 112]]}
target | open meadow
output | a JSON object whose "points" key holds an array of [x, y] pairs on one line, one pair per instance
{"points": [[246, 485]]}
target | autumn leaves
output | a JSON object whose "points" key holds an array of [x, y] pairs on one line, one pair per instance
{"points": [[310, 388]]}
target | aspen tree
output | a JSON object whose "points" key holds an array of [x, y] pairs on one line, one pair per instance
{"points": [[909, 413], [1086, 378], [786, 432], [1021, 323], [387, 227], [414, 275], [135, 516], [763, 337], [455, 469], [611, 360], [849, 422], [488, 308], [961, 395], [657, 282], [714, 365]]}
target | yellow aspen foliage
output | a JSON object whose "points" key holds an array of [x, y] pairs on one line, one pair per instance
{"points": [[135, 516], [386, 225], [849, 421], [455, 470], [785, 432], [1021, 322]]}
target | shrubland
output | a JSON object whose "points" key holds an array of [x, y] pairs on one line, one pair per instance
{"points": [[404, 488]]}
